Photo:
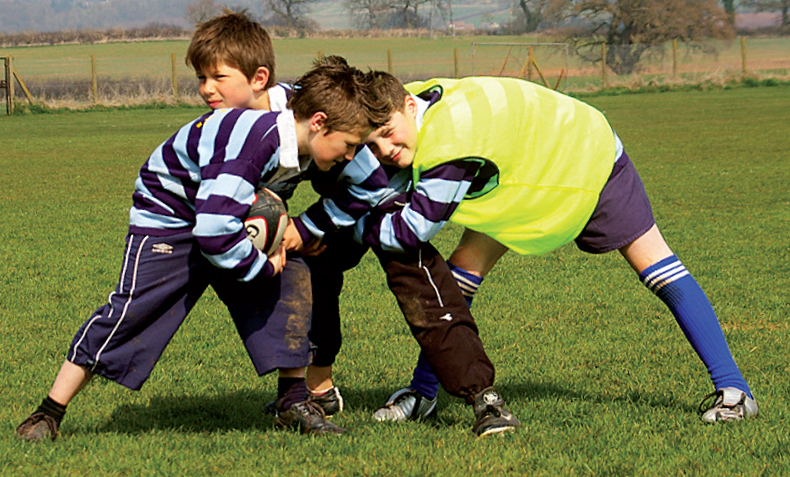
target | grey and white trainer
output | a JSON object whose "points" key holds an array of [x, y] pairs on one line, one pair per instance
{"points": [[731, 404], [406, 405]]}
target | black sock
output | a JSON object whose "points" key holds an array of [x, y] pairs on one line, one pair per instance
{"points": [[52, 409], [291, 391]]}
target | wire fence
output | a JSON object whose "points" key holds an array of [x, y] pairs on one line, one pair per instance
{"points": [[147, 72]]}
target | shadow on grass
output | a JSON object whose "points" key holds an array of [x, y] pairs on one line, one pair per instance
{"points": [[241, 410], [244, 410]]}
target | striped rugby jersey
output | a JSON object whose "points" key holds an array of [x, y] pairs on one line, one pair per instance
{"points": [[348, 191], [204, 178]]}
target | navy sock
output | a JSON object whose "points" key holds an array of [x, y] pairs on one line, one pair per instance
{"points": [[669, 280], [290, 391], [424, 380], [52, 409]]}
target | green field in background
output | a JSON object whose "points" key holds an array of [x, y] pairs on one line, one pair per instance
{"points": [[594, 365], [410, 57]]}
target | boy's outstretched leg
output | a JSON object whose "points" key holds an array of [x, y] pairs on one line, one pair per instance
{"points": [[43, 424], [664, 275]]}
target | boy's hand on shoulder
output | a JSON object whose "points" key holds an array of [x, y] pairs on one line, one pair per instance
{"points": [[292, 240], [277, 259]]}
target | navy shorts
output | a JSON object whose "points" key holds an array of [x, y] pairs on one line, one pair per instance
{"points": [[623, 213], [161, 280]]}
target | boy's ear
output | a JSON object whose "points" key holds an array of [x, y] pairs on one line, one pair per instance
{"points": [[317, 121], [410, 106], [261, 78]]}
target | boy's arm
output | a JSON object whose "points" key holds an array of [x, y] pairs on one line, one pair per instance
{"points": [[422, 212], [226, 192], [220, 230], [358, 188]]}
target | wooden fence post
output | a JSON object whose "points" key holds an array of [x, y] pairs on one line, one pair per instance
{"points": [[94, 83], [603, 65], [674, 58], [743, 55], [389, 61], [173, 74], [9, 84], [455, 62]]}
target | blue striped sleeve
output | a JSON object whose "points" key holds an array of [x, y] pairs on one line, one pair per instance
{"points": [[363, 185], [244, 146], [430, 205]]}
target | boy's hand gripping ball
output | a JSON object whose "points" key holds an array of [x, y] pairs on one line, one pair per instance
{"points": [[266, 221]]}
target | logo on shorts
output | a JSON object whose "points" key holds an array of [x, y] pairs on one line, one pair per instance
{"points": [[447, 317], [162, 248]]}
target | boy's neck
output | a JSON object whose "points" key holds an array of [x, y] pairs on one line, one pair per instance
{"points": [[261, 101]]}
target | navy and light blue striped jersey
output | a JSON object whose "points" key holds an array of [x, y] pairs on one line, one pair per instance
{"points": [[417, 216], [204, 178], [348, 191]]}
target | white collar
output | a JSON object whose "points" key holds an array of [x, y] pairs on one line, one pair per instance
{"points": [[422, 106]]}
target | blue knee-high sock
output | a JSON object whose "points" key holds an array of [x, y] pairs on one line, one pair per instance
{"points": [[669, 280], [424, 380]]}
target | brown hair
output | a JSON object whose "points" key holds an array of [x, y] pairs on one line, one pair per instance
{"points": [[342, 92], [386, 92], [235, 39]]}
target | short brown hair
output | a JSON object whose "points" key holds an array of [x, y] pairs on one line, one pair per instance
{"points": [[235, 39], [386, 92], [342, 92]]}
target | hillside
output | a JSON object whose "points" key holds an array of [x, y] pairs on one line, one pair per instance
{"points": [[56, 15]]}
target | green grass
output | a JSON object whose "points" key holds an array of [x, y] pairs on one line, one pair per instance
{"points": [[593, 364]]}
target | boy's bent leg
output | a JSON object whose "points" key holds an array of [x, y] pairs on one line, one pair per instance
{"points": [[663, 274], [342, 253], [477, 253], [272, 315], [439, 319]]}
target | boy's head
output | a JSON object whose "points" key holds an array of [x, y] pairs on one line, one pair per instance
{"points": [[233, 58], [395, 142], [331, 102]]}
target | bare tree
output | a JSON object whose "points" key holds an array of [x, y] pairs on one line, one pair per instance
{"points": [[537, 11], [632, 27], [409, 15], [290, 13], [201, 10], [729, 8], [368, 14], [782, 6]]}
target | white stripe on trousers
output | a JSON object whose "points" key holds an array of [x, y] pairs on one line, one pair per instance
{"points": [[126, 305]]}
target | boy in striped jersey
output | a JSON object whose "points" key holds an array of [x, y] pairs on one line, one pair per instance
{"points": [[529, 169], [233, 58], [186, 232]]}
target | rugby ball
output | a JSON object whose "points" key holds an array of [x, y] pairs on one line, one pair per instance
{"points": [[266, 221]]}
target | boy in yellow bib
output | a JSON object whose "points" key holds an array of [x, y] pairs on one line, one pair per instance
{"points": [[528, 169]]}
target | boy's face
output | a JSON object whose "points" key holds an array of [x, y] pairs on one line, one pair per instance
{"points": [[395, 143], [328, 148], [224, 86]]}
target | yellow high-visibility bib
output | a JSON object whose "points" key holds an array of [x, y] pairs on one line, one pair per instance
{"points": [[553, 153]]}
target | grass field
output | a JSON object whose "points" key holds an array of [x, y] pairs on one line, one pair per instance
{"points": [[593, 364]]}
